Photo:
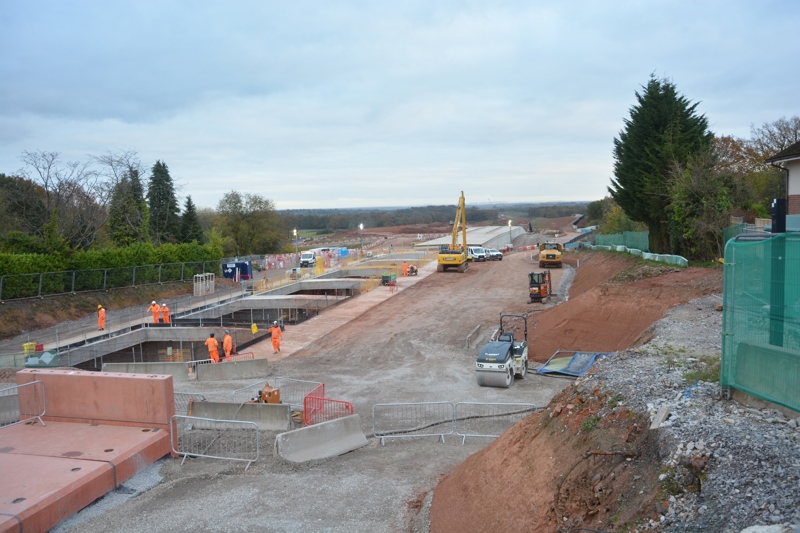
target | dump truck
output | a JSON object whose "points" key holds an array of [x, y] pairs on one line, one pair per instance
{"points": [[539, 286], [503, 357], [550, 254], [454, 255]]}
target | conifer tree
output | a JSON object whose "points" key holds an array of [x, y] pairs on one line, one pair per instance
{"points": [[163, 205], [191, 230]]}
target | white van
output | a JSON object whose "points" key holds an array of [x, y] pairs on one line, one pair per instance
{"points": [[307, 259], [476, 253]]}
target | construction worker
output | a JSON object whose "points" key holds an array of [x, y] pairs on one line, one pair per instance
{"points": [[101, 318], [155, 309], [276, 334], [227, 344], [164, 313], [213, 348], [405, 268]]}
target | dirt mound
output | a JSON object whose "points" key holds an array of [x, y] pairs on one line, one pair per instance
{"points": [[609, 314], [582, 461]]}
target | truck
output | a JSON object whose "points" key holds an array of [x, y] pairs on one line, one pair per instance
{"points": [[550, 254]]}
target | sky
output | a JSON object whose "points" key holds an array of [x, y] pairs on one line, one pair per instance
{"points": [[345, 104]]}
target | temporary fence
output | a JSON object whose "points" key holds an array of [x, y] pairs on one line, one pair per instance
{"points": [[676, 260], [17, 286], [184, 400], [638, 240], [293, 391], [318, 409], [232, 440], [474, 419], [761, 317], [22, 403], [404, 420]]}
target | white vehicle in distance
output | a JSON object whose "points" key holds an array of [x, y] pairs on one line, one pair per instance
{"points": [[477, 253], [494, 255]]}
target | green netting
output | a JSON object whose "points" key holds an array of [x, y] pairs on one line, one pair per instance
{"points": [[639, 240], [761, 318], [732, 231]]}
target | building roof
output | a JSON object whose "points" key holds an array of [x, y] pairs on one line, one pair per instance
{"points": [[787, 154]]}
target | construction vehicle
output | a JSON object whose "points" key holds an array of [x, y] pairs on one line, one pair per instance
{"points": [[550, 254], [413, 270], [503, 357], [539, 286], [267, 394], [455, 255]]}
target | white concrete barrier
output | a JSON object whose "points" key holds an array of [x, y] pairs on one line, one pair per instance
{"points": [[320, 441], [178, 371], [267, 416]]}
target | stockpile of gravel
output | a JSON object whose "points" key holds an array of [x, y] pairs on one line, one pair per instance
{"points": [[725, 467]]}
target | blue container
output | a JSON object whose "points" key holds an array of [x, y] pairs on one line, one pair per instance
{"points": [[242, 269]]}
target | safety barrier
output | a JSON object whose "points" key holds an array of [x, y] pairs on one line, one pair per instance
{"points": [[293, 391], [230, 440], [11, 410], [317, 410], [676, 260], [183, 400], [472, 336], [474, 419], [404, 420]]}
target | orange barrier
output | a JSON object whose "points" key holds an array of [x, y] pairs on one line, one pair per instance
{"points": [[317, 408]]}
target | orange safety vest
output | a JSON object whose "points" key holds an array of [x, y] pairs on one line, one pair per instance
{"points": [[165, 314], [227, 344]]}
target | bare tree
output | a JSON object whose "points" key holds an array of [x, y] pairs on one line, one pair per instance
{"points": [[72, 192], [772, 137]]}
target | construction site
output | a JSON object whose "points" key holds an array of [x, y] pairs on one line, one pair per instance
{"points": [[371, 401]]}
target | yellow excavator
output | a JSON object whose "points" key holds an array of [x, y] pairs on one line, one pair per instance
{"points": [[453, 255]]}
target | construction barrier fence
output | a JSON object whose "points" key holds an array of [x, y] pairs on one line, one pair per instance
{"points": [[184, 400], [317, 409], [676, 260], [761, 317], [405, 420], [473, 419], [232, 440], [31, 408], [638, 240]]}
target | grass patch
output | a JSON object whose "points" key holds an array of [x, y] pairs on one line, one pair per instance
{"points": [[706, 369], [590, 423], [614, 400]]}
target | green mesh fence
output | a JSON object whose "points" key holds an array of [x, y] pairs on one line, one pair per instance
{"points": [[639, 240], [732, 231], [761, 318]]}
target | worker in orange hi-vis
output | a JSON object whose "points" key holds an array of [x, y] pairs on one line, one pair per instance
{"points": [[164, 313], [213, 348], [405, 268], [101, 318], [227, 345], [155, 309], [276, 334]]}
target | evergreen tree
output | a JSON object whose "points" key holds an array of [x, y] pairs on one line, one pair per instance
{"points": [[163, 205], [190, 223], [663, 130], [125, 212]]}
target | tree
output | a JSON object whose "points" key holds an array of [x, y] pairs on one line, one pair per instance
{"points": [[663, 129], [21, 206], [596, 210], [250, 224], [190, 223], [163, 205], [76, 194], [700, 206]]}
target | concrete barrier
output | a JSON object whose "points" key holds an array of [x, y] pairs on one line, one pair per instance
{"points": [[178, 371], [256, 368], [320, 441], [267, 416]]}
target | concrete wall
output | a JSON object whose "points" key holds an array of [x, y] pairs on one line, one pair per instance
{"points": [[178, 371], [268, 417], [320, 441], [256, 368]]}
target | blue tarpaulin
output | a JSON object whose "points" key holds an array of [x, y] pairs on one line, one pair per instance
{"points": [[571, 365]]}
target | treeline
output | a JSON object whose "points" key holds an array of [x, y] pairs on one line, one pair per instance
{"points": [[681, 182], [350, 219], [556, 211]]}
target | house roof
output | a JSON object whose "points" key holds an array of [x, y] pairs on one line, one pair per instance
{"points": [[787, 154]]}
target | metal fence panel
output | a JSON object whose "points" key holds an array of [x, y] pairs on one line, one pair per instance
{"points": [[293, 391], [403, 420], [231, 440], [474, 419], [22, 403], [317, 410], [184, 399]]}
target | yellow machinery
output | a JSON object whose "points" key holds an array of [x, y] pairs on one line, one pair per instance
{"points": [[550, 254], [539, 287], [267, 394], [453, 255]]}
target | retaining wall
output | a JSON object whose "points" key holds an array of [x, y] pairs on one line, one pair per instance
{"points": [[256, 368], [178, 371]]}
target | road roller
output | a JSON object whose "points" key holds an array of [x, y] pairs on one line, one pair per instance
{"points": [[503, 358]]}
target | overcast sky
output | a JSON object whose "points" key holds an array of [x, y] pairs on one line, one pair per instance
{"points": [[358, 104]]}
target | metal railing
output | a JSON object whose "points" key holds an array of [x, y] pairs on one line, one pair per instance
{"points": [[231, 440], [404, 420], [293, 391], [22, 403], [317, 410], [474, 419], [19, 286], [184, 400], [319, 392]]}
